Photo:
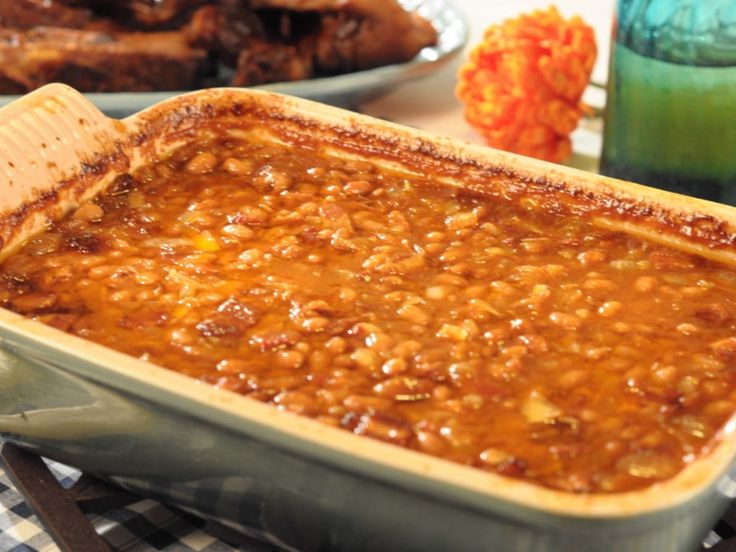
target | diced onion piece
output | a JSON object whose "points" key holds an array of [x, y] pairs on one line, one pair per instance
{"points": [[538, 410], [206, 242]]}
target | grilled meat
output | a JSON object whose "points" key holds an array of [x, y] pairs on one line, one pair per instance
{"points": [[25, 14], [93, 61], [120, 44], [272, 45]]}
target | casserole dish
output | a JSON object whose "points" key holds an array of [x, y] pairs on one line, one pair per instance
{"points": [[300, 484]]}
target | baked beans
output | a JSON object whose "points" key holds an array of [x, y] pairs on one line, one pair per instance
{"points": [[496, 334]]}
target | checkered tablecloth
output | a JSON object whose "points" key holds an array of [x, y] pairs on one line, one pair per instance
{"points": [[144, 526]]}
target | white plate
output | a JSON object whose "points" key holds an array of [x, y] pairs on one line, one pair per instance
{"points": [[341, 90]]}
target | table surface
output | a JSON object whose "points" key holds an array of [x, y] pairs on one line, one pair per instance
{"points": [[428, 104]]}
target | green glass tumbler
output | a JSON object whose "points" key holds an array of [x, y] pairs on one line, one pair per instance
{"points": [[671, 107]]}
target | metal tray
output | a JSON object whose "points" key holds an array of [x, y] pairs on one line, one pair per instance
{"points": [[346, 90], [300, 484]]}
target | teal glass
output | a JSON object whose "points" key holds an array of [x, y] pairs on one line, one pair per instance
{"points": [[671, 108]]}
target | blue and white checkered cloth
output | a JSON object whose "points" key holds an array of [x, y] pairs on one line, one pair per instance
{"points": [[144, 526]]}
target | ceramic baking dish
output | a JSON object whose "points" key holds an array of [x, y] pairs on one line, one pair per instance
{"points": [[293, 481]]}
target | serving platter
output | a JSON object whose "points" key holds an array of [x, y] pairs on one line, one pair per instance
{"points": [[346, 90]]}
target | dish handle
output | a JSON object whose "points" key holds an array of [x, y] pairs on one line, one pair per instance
{"points": [[49, 140]]}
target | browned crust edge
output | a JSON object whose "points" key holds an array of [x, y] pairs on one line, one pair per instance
{"points": [[437, 158], [176, 119]]}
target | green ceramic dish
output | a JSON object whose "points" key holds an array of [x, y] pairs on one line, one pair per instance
{"points": [[300, 484]]}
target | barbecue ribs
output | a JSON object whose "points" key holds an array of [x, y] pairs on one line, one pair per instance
{"points": [[141, 45], [275, 44], [26, 14], [138, 14], [98, 62]]}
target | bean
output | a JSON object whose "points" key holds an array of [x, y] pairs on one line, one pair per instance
{"points": [[462, 269], [251, 216], [647, 465], [693, 291], [714, 313], [441, 392], [358, 165], [591, 257], [724, 348], [461, 220], [535, 246], [366, 359], [347, 294], [438, 292], [367, 403], [600, 285], [610, 308], [336, 345], [183, 336], [358, 187], [404, 387], [315, 324], [624, 265], [249, 256], [122, 296], [364, 329], [232, 366], [281, 382], [431, 443], [645, 284], [475, 291], [237, 167], [406, 349], [147, 277], [715, 389], [413, 314], [453, 332], [450, 280], [33, 301], [289, 359], [384, 430], [687, 329], [44, 244], [566, 321], [688, 385], [272, 180], [398, 221], [297, 402], [719, 410], [380, 342], [572, 379], [89, 212], [453, 254], [493, 456], [316, 172], [202, 163], [502, 287], [395, 366], [318, 360]]}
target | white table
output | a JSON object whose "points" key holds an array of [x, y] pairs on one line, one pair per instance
{"points": [[430, 103]]}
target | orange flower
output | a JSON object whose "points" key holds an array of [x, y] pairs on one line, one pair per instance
{"points": [[522, 84]]}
